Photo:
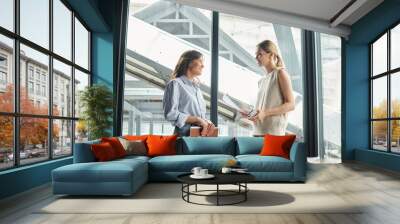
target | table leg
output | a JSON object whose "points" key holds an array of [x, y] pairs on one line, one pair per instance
{"points": [[182, 189], [245, 193], [217, 194], [188, 190], [196, 188]]}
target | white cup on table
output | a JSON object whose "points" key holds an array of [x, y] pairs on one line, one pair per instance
{"points": [[196, 171], [203, 172]]}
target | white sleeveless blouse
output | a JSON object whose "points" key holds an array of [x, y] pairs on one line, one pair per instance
{"points": [[269, 96]]}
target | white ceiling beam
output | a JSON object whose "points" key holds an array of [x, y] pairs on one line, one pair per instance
{"points": [[347, 12], [269, 15]]}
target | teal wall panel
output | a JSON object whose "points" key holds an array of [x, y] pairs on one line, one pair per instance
{"points": [[24, 178], [356, 86], [102, 59]]}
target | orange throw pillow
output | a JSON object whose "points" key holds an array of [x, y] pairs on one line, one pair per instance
{"points": [[135, 137], [116, 145], [103, 152], [161, 145], [277, 145]]}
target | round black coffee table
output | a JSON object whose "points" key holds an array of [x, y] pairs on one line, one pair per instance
{"points": [[238, 179]]}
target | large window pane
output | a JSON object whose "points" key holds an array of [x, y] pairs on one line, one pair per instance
{"points": [[81, 45], [33, 139], [35, 21], [6, 74], [81, 81], [395, 95], [379, 135], [379, 98], [62, 138], [34, 81], [238, 68], [34, 72], [7, 14], [395, 47], [331, 96], [62, 29], [6, 142], [62, 89], [395, 136], [379, 55], [143, 113], [152, 56]]}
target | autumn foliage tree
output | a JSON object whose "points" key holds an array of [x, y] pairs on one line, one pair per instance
{"points": [[33, 131], [380, 127]]}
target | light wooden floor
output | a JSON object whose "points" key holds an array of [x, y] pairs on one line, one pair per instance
{"points": [[351, 181]]}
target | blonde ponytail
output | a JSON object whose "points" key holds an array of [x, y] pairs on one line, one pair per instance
{"points": [[279, 63]]}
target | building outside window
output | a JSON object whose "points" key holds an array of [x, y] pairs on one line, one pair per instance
{"points": [[30, 87], [30, 72], [3, 71]]}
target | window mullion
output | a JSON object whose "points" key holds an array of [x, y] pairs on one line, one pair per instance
{"points": [[73, 81], [16, 70], [389, 101], [50, 81]]}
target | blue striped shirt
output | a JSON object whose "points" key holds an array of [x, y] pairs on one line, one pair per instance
{"points": [[182, 98]]}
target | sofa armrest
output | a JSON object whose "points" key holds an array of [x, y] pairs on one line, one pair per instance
{"points": [[83, 152], [299, 159]]}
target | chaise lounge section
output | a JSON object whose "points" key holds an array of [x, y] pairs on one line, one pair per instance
{"points": [[125, 176]]}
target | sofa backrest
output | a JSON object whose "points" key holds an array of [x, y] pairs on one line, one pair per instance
{"points": [[190, 146], [249, 145], [206, 145], [83, 152]]}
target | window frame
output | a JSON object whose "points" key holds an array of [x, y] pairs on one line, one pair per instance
{"points": [[388, 74], [16, 114]]}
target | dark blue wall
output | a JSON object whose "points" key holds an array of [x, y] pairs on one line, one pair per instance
{"points": [[356, 84], [99, 16]]}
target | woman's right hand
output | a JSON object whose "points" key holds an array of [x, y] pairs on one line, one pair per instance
{"points": [[206, 126]]}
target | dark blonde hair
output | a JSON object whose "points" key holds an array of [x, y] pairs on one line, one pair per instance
{"points": [[184, 62], [269, 47]]}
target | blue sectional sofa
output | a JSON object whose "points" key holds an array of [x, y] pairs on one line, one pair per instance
{"points": [[125, 176]]}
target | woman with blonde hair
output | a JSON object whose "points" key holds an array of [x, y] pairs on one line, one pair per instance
{"points": [[275, 95], [183, 102]]}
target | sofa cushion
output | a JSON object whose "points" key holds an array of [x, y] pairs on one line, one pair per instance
{"points": [[135, 137], [185, 163], [249, 145], [103, 152], [116, 145], [111, 171], [206, 145], [277, 145], [133, 158], [160, 145], [257, 163], [134, 147]]}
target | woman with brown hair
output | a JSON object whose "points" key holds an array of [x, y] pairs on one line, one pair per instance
{"points": [[275, 95], [183, 102]]}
